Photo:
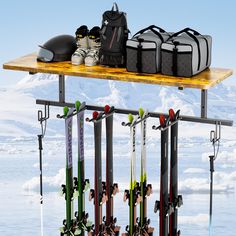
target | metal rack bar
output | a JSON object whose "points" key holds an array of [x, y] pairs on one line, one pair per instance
{"points": [[135, 112]]}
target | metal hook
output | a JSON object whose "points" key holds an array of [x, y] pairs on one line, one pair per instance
{"points": [[43, 118], [215, 135]]}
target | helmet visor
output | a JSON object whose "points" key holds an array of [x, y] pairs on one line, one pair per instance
{"points": [[45, 55]]}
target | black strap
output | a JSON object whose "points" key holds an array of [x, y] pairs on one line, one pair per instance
{"points": [[175, 59], [193, 36], [198, 47], [157, 27], [154, 31], [139, 55], [185, 30], [207, 48], [115, 6], [151, 27], [194, 31]]}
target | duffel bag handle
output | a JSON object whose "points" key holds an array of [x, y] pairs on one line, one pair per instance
{"points": [[194, 31], [151, 27], [157, 27], [186, 30], [115, 7]]}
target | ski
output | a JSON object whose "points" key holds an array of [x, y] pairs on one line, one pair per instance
{"points": [[133, 194], [111, 187], [145, 189], [80, 183], [175, 199], [163, 205], [98, 193], [68, 188]]}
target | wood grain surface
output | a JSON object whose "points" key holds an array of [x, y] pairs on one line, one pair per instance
{"points": [[204, 80]]}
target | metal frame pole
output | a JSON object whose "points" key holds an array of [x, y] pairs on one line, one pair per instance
{"points": [[61, 88], [203, 103]]}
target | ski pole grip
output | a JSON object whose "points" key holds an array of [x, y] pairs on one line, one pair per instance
{"points": [[40, 141], [212, 163]]}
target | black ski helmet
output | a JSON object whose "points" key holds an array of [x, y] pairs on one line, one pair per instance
{"points": [[59, 48]]}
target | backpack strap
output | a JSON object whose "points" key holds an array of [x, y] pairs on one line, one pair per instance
{"points": [[119, 34], [103, 31]]}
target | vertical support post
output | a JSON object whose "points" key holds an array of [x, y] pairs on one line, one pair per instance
{"points": [[61, 88], [203, 103]]}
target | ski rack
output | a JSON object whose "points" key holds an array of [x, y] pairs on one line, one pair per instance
{"points": [[166, 127], [73, 114], [194, 119]]}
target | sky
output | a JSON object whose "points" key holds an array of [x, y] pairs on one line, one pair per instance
{"points": [[25, 24]]}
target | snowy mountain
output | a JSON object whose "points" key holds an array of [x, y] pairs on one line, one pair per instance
{"points": [[19, 112]]}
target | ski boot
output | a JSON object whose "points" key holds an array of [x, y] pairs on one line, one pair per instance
{"points": [[94, 43], [82, 43]]}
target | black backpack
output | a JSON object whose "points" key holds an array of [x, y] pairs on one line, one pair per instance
{"points": [[114, 34]]}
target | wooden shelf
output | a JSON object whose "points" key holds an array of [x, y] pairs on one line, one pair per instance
{"points": [[204, 80]]}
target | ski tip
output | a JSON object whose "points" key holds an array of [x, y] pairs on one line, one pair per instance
{"points": [[172, 114], [77, 105], [162, 120], [107, 109], [65, 110], [130, 118], [141, 112], [95, 115]]}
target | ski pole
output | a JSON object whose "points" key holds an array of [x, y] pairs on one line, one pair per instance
{"points": [[215, 136], [212, 158], [41, 181], [42, 118]]}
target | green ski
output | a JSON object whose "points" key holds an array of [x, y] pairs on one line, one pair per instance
{"points": [[133, 195], [68, 188], [145, 189], [81, 184]]}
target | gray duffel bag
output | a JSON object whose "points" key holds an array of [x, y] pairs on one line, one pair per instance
{"points": [[144, 48], [186, 53]]}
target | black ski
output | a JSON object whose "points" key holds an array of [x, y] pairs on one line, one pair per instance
{"points": [[175, 199], [98, 193], [163, 205], [111, 187]]}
